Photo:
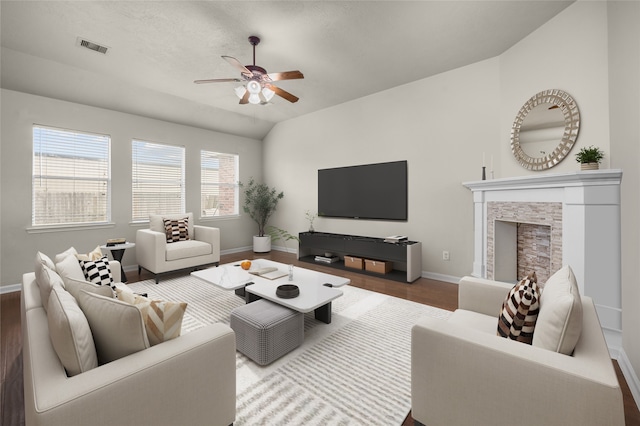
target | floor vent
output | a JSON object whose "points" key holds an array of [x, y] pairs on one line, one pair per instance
{"points": [[92, 46]]}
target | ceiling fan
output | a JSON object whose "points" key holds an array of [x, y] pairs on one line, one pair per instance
{"points": [[258, 85]]}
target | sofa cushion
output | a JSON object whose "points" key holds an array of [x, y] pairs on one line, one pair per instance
{"points": [[49, 280], [187, 249], [176, 229], [559, 322], [156, 221], [70, 333], [97, 271], [117, 327], [73, 286], [162, 320], [69, 268], [519, 311]]}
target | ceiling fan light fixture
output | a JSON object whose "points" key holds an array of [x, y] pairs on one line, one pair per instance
{"points": [[268, 94], [254, 87], [254, 98], [240, 90]]}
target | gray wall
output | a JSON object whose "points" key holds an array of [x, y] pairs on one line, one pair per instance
{"points": [[20, 111]]}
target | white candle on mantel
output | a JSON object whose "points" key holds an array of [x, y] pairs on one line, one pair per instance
{"points": [[483, 159]]}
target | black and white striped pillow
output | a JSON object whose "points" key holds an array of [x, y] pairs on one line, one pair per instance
{"points": [[97, 271], [176, 229]]}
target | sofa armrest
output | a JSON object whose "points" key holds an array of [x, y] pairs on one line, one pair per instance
{"points": [[115, 266], [151, 247], [451, 363], [209, 235], [481, 295], [187, 380]]}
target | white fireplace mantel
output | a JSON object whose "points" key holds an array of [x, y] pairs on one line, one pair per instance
{"points": [[591, 234]]}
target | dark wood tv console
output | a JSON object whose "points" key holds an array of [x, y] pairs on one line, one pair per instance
{"points": [[406, 256]]}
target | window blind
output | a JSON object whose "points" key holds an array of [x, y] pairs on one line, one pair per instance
{"points": [[71, 177], [218, 184], [158, 184]]}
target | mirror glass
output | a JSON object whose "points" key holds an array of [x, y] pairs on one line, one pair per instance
{"points": [[545, 129]]}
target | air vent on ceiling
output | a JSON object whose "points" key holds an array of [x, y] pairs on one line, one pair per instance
{"points": [[92, 46]]}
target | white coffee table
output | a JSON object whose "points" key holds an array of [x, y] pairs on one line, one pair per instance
{"points": [[317, 289]]}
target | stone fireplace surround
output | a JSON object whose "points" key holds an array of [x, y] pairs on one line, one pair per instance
{"points": [[583, 211]]}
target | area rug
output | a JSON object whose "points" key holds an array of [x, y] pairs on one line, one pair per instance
{"points": [[354, 371]]}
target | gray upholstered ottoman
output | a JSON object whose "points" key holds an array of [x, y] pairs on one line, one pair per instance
{"points": [[265, 331]]}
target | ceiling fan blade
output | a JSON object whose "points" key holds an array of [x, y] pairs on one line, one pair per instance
{"points": [[245, 98], [283, 93], [286, 75], [217, 80], [236, 63]]}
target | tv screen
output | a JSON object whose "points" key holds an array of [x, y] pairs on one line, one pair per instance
{"points": [[369, 191]]}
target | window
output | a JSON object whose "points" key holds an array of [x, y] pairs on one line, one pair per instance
{"points": [[158, 179], [71, 177], [219, 184]]}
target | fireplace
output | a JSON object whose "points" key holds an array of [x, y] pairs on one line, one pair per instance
{"points": [[523, 237], [554, 219]]}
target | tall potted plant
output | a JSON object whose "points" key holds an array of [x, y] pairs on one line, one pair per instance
{"points": [[260, 203]]}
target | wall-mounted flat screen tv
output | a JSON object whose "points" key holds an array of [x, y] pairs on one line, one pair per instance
{"points": [[370, 191]]}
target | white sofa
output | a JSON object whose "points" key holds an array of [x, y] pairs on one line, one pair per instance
{"points": [[464, 374], [187, 380], [158, 257]]}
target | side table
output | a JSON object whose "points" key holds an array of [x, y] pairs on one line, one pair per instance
{"points": [[117, 252]]}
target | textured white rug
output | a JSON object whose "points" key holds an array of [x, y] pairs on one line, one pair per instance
{"points": [[354, 371]]}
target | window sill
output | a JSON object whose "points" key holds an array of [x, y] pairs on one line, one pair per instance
{"points": [[71, 227]]}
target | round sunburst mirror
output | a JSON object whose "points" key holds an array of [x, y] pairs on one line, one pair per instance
{"points": [[545, 129]]}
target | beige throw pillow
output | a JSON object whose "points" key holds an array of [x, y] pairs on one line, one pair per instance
{"points": [[71, 251], [70, 333], [48, 280], [94, 255], [74, 286], [117, 327], [162, 320], [559, 323], [69, 268]]}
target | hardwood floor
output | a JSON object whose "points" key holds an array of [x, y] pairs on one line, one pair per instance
{"points": [[435, 293]]}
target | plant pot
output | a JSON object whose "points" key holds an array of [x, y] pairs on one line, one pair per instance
{"points": [[261, 244], [589, 166]]}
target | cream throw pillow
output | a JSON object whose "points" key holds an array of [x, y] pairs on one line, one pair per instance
{"points": [[70, 333], [162, 320], [69, 268], [74, 286], [42, 260], [68, 252], [117, 327], [94, 255], [48, 280], [559, 323]]}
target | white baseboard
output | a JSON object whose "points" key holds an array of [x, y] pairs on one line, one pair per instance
{"points": [[10, 288], [630, 376], [440, 277]]}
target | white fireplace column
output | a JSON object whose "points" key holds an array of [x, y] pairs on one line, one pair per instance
{"points": [[591, 234]]}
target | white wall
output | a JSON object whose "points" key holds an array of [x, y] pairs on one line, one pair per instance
{"points": [[20, 111], [624, 84], [569, 53], [441, 125]]}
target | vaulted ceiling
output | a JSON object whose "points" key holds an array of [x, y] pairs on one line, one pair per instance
{"points": [[346, 50]]}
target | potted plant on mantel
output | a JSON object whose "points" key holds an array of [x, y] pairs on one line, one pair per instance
{"points": [[589, 158], [260, 203]]}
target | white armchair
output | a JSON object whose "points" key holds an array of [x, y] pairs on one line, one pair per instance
{"points": [[157, 256], [462, 373]]}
